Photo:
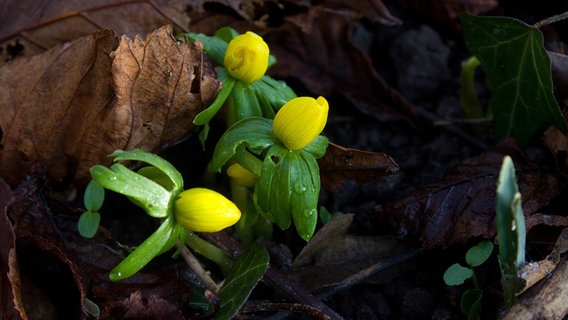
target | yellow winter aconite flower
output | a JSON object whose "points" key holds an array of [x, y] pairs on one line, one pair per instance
{"points": [[242, 176], [300, 121], [204, 210], [246, 57]]}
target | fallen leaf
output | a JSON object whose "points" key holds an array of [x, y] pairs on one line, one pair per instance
{"points": [[74, 104], [316, 48], [11, 306], [462, 206], [340, 164], [51, 227], [447, 12], [32, 27], [333, 254]]}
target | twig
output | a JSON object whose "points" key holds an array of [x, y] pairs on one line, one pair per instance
{"points": [[194, 264], [551, 20], [282, 306]]}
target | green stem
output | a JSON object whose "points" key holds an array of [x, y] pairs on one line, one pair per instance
{"points": [[209, 251], [243, 228], [468, 95], [250, 162]]}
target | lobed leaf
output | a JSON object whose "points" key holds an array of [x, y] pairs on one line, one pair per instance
{"points": [[519, 73]]}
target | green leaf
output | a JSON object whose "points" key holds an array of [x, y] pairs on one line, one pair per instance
{"points": [[149, 195], [247, 270], [154, 160], [206, 115], [478, 254], [254, 133], [272, 95], [519, 73], [457, 274], [288, 188], [317, 147], [88, 224], [226, 34], [470, 303], [511, 231], [94, 196], [214, 46], [145, 252]]}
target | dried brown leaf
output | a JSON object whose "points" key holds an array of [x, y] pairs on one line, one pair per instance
{"points": [[74, 104], [462, 206], [52, 227], [316, 48], [39, 25], [447, 12], [339, 253], [340, 164]]}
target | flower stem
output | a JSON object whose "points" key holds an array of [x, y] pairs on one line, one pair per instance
{"points": [[209, 251]]}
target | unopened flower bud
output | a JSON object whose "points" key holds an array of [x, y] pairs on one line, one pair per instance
{"points": [[300, 121], [246, 57], [242, 176], [204, 210]]}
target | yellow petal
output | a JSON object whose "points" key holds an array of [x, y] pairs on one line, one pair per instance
{"points": [[204, 210], [242, 176], [246, 57], [300, 121]]}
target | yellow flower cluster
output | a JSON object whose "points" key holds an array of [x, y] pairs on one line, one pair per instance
{"points": [[300, 121], [204, 210], [246, 57]]}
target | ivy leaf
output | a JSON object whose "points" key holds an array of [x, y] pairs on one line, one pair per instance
{"points": [[247, 270], [519, 74]]}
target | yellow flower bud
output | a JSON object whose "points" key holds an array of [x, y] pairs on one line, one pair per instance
{"points": [[242, 176], [204, 210], [300, 121], [246, 57]]}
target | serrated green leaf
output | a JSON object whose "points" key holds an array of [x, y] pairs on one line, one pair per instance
{"points": [[247, 270], [519, 73], [254, 133], [149, 195], [318, 146], [478, 254], [88, 224], [145, 252], [457, 274], [94, 196]]}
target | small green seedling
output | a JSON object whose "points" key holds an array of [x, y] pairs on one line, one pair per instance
{"points": [[511, 231], [457, 274], [93, 200]]}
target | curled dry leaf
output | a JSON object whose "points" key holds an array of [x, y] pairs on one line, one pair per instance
{"points": [[74, 104], [340, 164], [462, 206], [316, 48], [333, 254]]}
